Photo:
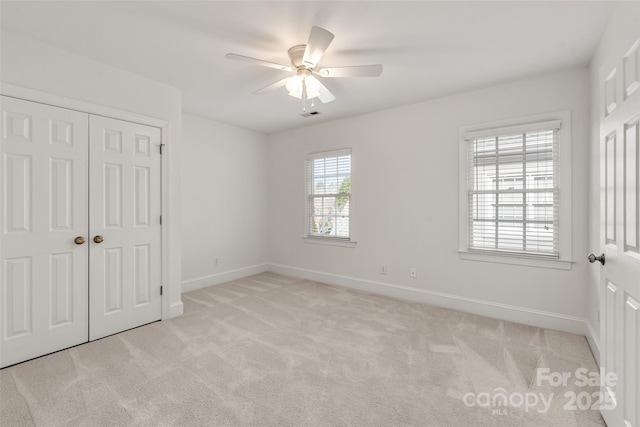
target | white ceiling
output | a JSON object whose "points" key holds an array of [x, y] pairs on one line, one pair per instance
{"points": [[428, 49]]}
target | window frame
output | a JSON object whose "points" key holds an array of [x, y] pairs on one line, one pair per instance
{"points": [[516, 125], [321, 239]]}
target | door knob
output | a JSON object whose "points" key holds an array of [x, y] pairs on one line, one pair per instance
{"points": [[79, 240], [98, 239], [592, 258]]}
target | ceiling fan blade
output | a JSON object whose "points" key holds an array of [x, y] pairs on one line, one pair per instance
{"points": [[319, 40], [271, 87], [255, 61], [325, 95], [353, 71]]}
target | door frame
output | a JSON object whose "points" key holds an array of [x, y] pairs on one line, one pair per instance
{"points": [[54, 100]]}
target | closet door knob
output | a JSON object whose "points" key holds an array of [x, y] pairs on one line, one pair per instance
{"points": [[98, 239], [79, 240]]}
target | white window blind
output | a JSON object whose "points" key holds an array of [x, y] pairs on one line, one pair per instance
{"points": [[329, 194], [513, 192]]}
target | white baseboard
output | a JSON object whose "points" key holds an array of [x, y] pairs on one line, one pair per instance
{"points": [[523, 315], [176, 309], [225, 276], [592, 339]]}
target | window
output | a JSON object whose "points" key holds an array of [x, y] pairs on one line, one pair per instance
{"points": [[514, 195], [329, 195]]}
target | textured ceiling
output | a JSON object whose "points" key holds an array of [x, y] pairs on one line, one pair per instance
{"points": [[428, 49]]}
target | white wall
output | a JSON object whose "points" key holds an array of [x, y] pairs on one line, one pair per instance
{"points": [[38, 66], [619, 35], [224, 202], [405, 205]]}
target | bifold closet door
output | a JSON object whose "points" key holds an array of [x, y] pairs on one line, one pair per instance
{"points": [[44, 246], [125, 224]]}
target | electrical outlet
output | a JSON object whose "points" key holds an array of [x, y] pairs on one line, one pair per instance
{"points": [[413, 273], [383, 269]]}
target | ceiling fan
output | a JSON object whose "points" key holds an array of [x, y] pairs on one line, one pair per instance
{"points": [[304, 61]]}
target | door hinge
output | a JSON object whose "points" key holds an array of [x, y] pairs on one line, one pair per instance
{"points": [[161, 145], [160, 219], [161, 287]]}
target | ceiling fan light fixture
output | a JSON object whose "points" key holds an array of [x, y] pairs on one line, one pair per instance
{"points": [[302, 85], [313, 87], [294, 86]]}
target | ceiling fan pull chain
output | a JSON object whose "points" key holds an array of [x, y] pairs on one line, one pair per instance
{"points": [[304, 96]]}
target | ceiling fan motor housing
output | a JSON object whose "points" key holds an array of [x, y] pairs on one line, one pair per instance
{"points": [[296, 53]]}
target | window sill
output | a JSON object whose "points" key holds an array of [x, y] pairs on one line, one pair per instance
{"points": [[558, 264], [330, 241]]}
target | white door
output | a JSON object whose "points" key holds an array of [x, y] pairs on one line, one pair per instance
{"points": [[620, 238], [125, 224], [43, 269]]}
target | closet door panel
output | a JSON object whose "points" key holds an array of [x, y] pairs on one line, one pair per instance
{"points": [[43, 271], [125, 213]]}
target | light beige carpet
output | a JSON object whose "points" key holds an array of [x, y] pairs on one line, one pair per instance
{"points": [[274, 351]]}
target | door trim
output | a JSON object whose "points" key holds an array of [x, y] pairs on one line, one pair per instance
{"points": [[168, 310]]}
